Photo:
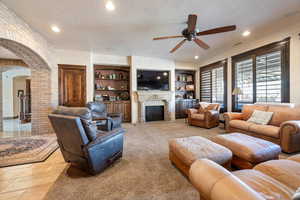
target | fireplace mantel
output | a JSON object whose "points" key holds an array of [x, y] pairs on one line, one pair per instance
{"points": [[152, 98]]}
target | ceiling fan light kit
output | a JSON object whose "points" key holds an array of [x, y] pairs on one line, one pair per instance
{"points": [[191, 33]]}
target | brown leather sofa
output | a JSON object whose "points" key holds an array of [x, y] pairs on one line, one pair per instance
{"points": [[275, 179], [283, 129], [207, 116]]}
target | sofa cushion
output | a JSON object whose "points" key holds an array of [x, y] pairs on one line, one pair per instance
{"points": [[248, 109], [265, 185], [197, 116], [240, 124], [285, 171], [260, 117], [267, 130], [283, 114]]}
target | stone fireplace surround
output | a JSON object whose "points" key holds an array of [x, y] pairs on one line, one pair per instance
{"points": [[154, 98]]}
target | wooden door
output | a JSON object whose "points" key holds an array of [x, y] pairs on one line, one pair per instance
{"points": [[72, 85]]}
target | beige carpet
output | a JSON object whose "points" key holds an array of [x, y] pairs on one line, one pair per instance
{"points": [[144, 173], [24, 150]]}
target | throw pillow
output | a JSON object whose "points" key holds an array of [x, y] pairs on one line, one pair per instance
{"points": [[260, 117], [203, 107]]}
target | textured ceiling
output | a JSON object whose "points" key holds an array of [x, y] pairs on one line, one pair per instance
{"points": [[129, 30]]}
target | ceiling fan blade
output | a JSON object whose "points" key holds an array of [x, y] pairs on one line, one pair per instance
{"points": [[217, 30], [192, 21], [178, 46], [167, 37], [201, 43]]}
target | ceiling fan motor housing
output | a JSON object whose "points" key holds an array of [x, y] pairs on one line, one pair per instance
{"points": [[189, 36]]}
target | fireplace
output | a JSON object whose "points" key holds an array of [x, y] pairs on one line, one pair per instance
{"points": [[154, 99], [154, 113]]}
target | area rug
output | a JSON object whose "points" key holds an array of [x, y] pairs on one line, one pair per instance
{"points": [[144, 172], [25, 150]]}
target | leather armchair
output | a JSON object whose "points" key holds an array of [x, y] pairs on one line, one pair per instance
{"points": [[205, 118], [81, 143], [105, 121]]}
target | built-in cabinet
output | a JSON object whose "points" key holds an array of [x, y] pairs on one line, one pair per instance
{"points": [[183, 104], [185, 92], [120, 107], [112, 87]]}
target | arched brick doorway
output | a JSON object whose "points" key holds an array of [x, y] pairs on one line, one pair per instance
{"points": [[40, 85]]}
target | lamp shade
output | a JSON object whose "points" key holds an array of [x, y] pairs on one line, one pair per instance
{"points": [[237, 91]]}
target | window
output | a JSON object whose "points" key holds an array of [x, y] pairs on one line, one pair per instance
{"points": [[262, 75], [268, 77], [213, 83]]}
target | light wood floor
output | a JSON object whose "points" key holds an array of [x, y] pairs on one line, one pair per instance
{"points": [[30, 182]]}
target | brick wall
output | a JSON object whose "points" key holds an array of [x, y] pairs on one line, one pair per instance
{"points": [[33, 49]]}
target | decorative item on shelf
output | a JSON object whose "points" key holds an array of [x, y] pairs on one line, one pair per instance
{"points": [[189, 96], [189, 78], [98, 97], [124, 87], [179, 96], [105, 97], [121, 76], [118, 98], [97, 86], [124, 96], [97, 75], [190, 87], [102, 76], [112, 98], [110, 88]]}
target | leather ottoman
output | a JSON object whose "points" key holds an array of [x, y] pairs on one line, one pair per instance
{"points": [[248, 151], [184, 151]]}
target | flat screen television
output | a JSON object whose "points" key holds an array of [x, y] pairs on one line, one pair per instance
{"points": [[152, 80]]}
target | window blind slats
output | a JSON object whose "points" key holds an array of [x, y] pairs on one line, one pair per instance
{"points": [[212, 85], [268, 77]]}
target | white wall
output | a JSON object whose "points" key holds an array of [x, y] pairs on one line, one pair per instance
{"points": [[290, 31], [8, 89]]}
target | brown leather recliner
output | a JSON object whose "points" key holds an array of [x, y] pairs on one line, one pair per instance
{"points": [[283, 129], [207, 116], [275, 179]]}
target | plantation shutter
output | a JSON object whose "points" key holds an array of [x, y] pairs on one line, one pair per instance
{"points": [[244, 80], [268, 77], [213, 84], [205, 85], [217, 85]]}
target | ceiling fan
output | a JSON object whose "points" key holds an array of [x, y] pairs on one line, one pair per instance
{"points": [[191, 33]]}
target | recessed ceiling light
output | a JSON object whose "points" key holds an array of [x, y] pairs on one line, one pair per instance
{"points": [[196, 57], [55, 29], [246, 33], [110, 6]]}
